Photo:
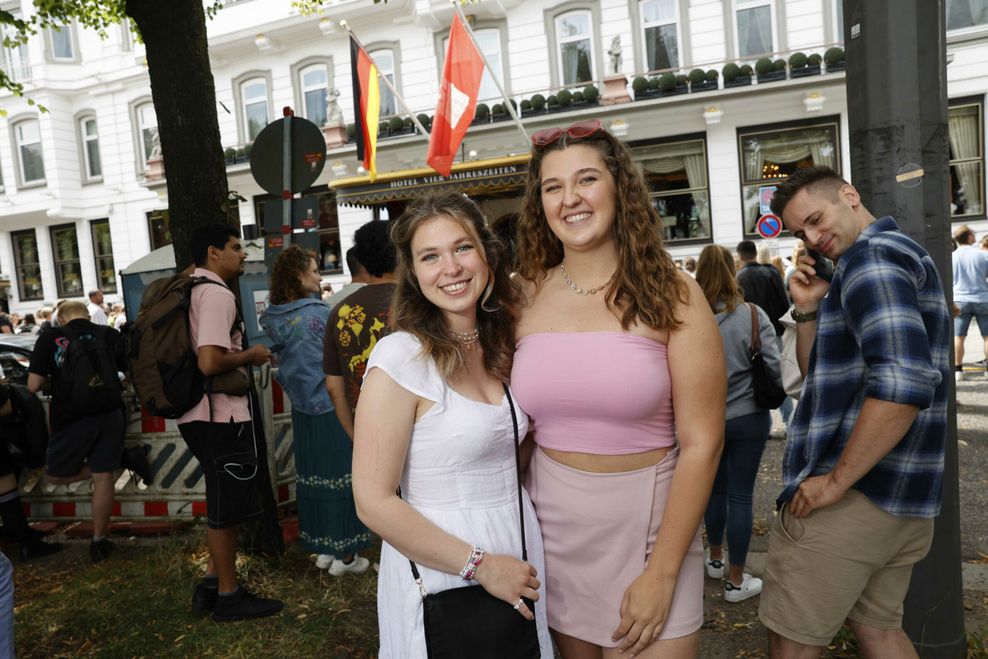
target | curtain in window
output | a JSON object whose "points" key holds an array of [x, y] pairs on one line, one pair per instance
{"points": [[963, 132], [576, 62], [755, 31], [966, 13], [661, 47], [788, 149]]}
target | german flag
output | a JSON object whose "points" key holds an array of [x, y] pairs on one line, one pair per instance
{"points": [[366, 105]]}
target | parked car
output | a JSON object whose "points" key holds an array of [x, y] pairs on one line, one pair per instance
{"points": [[15, 356]]}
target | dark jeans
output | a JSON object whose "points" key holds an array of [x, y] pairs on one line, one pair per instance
{"points": [[730, 501]]}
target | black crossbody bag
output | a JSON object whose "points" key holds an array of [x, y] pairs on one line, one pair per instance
{"points": [[469, 621], [769, 394]]}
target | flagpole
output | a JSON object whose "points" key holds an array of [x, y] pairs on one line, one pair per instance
{"points": [[387, 82], [508, 105]]}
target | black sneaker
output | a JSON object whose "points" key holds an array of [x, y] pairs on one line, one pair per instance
{"points": [[204, 597], [100, 550], [244, 605], [38, 549], [136, 459]]}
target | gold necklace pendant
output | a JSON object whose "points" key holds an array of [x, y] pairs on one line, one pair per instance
{"points": [[582, 291]]}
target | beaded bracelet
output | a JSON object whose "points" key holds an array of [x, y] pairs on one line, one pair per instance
{"points": [[476, 556]]}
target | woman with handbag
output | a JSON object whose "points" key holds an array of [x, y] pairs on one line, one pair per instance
{"points": [[295, 320], [624, 381], [748, 424], [436, 422]]}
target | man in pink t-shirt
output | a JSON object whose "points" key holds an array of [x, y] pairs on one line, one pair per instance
{"points": [[218, 429]]}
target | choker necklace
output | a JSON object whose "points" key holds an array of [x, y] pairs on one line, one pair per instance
{"points": [[582, 291], [466, 338]]}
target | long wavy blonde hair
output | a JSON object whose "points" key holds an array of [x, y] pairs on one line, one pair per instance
{"points": [[715, 275], [412, 312], [646, 287]]}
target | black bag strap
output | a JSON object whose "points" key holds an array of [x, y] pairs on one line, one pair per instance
{"points": [[756, 338], [521, 507]]}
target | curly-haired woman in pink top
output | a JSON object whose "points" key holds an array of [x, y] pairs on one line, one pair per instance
{"points": [[620, 366]]}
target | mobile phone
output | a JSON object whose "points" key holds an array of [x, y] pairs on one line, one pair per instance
{"points": [[823, 266]]}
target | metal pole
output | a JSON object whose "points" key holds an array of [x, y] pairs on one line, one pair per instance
{"points": [[286, 178], [507, 101], [897, 113]]}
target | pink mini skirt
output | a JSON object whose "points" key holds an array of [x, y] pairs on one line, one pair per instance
{"points": [[598, 531]]}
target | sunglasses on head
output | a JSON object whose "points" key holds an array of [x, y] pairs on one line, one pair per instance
{"points": [[579, 130]]}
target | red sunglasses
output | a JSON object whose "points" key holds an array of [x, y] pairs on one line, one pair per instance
{"points": [[579, 130]]}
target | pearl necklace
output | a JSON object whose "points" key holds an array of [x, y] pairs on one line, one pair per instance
{"points": [[582, 291], [467, 338]]}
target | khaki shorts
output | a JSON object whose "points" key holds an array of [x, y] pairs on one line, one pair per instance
{"points": [[851, 560]]}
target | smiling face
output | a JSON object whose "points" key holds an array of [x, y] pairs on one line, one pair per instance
{"points": [[310, 279], [826, 220], [448, 262], [579, 197]]}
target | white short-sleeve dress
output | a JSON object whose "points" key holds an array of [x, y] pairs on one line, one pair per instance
{"points": [[459, 474]]}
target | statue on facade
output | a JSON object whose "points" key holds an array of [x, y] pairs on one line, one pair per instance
{"points": [[334, 115], [616, 57], [155, 144]]}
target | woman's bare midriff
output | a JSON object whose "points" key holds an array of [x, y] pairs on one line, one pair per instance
{"points": [[607, 464]]}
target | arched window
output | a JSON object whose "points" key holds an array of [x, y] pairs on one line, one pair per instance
{"points": [[660, 28], [574, 36], [314, 84], [385, 61], [254, 100]]}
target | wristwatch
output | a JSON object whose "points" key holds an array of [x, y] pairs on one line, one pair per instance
{"points": [[801, 317]]}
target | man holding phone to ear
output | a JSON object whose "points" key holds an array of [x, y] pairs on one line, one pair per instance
{"points": [[863, 467]]}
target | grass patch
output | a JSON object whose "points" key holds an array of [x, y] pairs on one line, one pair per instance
{"points": [[138, 604]]}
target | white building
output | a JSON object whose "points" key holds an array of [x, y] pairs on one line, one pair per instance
{"points": [[77, 204]]}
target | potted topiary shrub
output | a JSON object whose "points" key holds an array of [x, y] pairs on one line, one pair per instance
{"points": [[230, 155], [668, 84], [799, 66], [733, 76], [538, 103], [814, 59], [498, 113], [552, 103], [526, 106], [482, 114], [578, 97], [247, 149], [565, 97], [769, 71], [834, 57], [240, 155], [746, 70], [351, 131], [653, 85], [425, 120], [640, 86], [396, 126], [591, 94]]}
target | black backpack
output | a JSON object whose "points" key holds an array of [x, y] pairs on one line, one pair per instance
{"points": [[88, 381], [26, 428]]}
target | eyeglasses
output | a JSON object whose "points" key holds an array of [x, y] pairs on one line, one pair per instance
{"points": [[579, 130]]}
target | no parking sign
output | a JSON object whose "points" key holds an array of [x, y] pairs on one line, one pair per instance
{"points": [[769, 226]]}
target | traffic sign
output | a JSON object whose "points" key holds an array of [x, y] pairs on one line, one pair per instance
{"points": [[307, 155], [769, 226]]}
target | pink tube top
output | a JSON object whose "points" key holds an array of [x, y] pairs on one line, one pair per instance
{"points": [[605, 393]]}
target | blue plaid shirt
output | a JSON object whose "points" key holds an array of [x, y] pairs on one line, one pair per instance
{"points": [[883, 332]]}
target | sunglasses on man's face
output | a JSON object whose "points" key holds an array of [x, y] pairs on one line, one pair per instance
{"points": [[579, 130]]}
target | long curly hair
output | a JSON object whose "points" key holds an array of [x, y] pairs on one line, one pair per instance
{"points": [[715, 275], [286, 285], [412, 312], [646, 287]]}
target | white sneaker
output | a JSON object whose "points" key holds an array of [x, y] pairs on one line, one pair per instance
{"points": [[958, 376], [750, 586], [356, 566], [715, 567], [324, 561]]}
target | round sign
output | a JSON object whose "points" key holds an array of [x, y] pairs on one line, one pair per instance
{"points": [[308, 155], [769, 226]]}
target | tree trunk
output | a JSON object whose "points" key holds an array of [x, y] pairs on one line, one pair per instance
{"points": [[174, 34]]}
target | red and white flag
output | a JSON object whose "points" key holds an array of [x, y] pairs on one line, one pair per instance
{"points": [[457, 98]]}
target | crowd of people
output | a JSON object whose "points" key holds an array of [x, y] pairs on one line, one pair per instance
{"points": [[630, 385]]}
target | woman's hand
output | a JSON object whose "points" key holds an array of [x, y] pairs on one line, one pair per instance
{"points": [[644, 609], [509, 579]]}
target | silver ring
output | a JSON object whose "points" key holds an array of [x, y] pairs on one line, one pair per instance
{"points": [[520, 602]]}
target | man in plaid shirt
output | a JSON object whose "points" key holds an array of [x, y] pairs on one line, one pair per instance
{"points": [[863, 467]]}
